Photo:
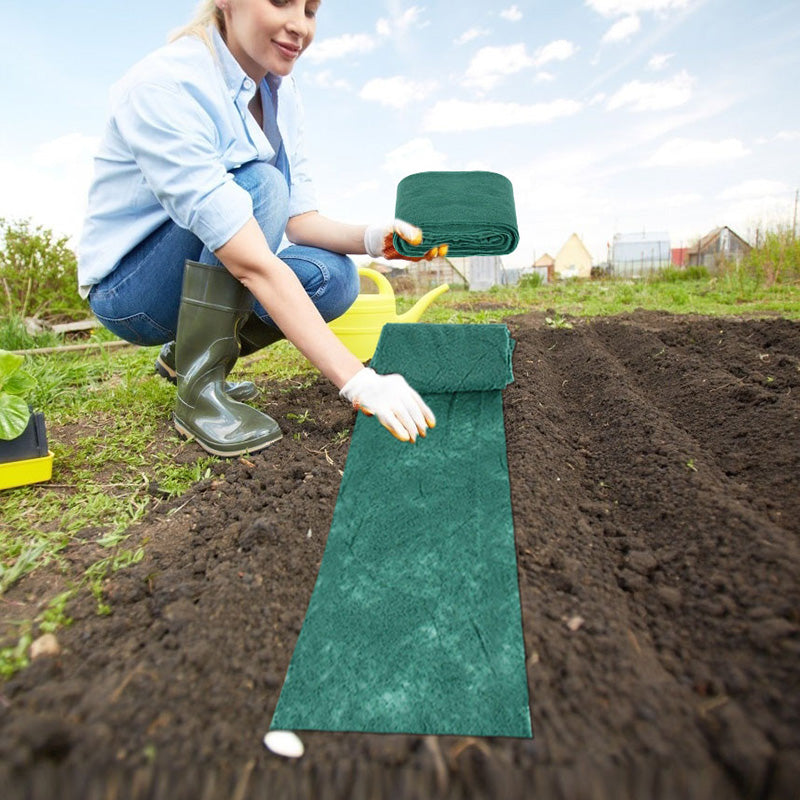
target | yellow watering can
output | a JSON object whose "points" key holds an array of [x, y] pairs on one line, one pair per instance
{"points": [[360, 326]]}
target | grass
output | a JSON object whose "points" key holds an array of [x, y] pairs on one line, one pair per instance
{"points": [[735, 294], [108, 424], [114, 447]]}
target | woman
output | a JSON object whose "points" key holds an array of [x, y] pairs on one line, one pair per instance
{"points": [[200, 173]]}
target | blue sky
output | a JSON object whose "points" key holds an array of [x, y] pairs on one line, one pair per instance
{"points": [[608, 116]]}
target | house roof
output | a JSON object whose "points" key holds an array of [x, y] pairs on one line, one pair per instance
{"points": [[706, 241], [545, 260], [577, 239]]}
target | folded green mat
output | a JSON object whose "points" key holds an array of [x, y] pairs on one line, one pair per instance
{"points": [[430, 357], [414, 624], [472, 212]]}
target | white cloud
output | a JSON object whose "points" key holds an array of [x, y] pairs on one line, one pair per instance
{"points": [[50, 184], [341, 46], [491, 64], [682, 152], [400, 24], [781, 136], [396, 92], [470, 35], [755, 190], [416, 155], [614, 8], [359, 43], [65, 152], [559, 50], [642, 96], [756, 204], [659, 61], [458, 115], [570, 165], [512, 14], [327, 80], [623, 30]]}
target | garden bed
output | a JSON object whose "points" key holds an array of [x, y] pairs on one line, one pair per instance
{"points": [[655, 477]]}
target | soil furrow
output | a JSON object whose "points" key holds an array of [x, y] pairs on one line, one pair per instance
{"points": [[654, 463]]}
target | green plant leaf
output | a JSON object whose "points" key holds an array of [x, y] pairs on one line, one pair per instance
{"points": [[20, 383], [14, 415], [9, 364]]}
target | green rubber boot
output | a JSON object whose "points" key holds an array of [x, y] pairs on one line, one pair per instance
{"points": [[213, 307], [165, 367], [254, 335]]}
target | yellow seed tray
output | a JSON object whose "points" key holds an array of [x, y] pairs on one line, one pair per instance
{"points": [[30, 470]]}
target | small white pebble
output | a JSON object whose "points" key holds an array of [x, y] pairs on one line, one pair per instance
{"points": [[284, 743], [575, 623], [45, 645]]}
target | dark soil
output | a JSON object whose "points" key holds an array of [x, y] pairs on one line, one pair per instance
{"points": [[655, 477]]}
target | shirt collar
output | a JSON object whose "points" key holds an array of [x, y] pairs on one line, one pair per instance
{"points": [[236, 79]]}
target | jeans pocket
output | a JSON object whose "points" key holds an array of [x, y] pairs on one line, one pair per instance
{"points": [[137, 329]]}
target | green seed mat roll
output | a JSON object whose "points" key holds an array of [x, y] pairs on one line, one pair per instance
{"points": [[472, 212]]}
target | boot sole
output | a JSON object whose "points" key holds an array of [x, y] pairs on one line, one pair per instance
{"points": [[187, 434], [165, 372]]}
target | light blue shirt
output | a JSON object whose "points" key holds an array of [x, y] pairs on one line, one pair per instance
{"points": [[179, 123]]}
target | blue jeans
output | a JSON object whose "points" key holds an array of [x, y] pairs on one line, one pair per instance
{"points": [[140, 299]]}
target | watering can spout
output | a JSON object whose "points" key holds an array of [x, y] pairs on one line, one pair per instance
{"points": [[360, 327], [416, 311]]}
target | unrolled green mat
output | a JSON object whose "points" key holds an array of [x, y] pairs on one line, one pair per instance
{"points": [[472, 212], [414, 624]]}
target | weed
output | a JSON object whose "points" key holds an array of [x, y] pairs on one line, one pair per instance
{"points": [[340, 437], [533, 280], [21, 558], [776, 260], [55, 614], [696, 273], [14, 335], [38, 272], [557, 322], [301, 419], [15, 657], [675, 275]]}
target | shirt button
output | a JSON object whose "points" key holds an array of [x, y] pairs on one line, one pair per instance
{"points": [[248, 84]]}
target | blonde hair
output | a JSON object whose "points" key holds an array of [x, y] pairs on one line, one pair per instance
{"points": [[206, 14]]}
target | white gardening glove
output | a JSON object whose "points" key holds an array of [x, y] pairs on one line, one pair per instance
{"points": [[379, 241], [396, 405]]}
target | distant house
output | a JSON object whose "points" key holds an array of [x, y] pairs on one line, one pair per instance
{"points": [[573, 259], [680, 256], [721, 244], [481, 272], [634, 254], [416, 275], [545, 266]]}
